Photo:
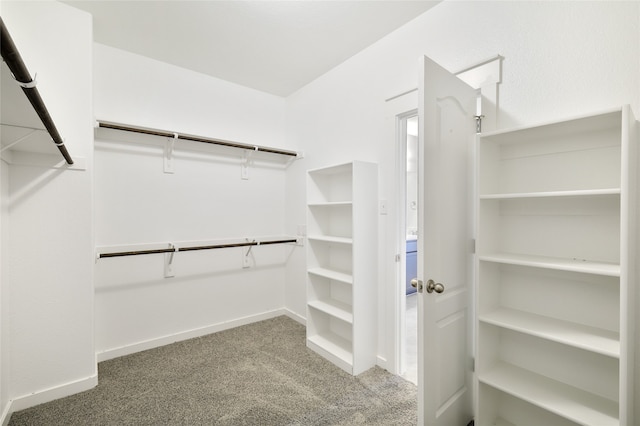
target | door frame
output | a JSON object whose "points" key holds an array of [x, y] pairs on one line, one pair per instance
{"points": [[485, 75], [398, 109], [401, 225]]}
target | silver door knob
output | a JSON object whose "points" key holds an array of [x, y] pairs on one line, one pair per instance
{"points": [[416, 283], [434, 286]]}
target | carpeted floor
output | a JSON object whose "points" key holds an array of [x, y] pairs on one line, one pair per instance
{"points": [[258, 374]]}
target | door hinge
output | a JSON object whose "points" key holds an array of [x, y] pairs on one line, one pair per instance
{"points": [[478, 123], [473, 246], [397, 258]]}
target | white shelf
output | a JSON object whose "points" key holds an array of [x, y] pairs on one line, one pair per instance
{"points": [[332, 170], [331, 204], [589, 338], [570, 265], [21, 129], [336, 309], [564, 400], [332, 344], [588, 122], [332, 275], [550, 194], [330, 239]]}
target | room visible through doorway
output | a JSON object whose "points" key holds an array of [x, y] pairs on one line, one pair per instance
{"points": [[409, 353]]}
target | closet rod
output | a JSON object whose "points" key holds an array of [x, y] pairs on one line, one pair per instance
{"points": [[164, 133], [194, 248], [16, 65]]}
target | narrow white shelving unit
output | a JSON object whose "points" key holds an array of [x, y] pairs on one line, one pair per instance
{"points": [[555, 272], [341, 258]]}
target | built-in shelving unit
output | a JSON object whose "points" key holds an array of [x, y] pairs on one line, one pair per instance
{"points": [[555, 272], [341, 259]]}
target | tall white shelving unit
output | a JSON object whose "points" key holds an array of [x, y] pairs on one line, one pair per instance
{"points": [[556, 254], [341, 264]]}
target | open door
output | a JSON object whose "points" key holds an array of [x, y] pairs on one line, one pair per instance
{"points": [[445, 263]]}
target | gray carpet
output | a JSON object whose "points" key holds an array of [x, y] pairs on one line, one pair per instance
{"points": [[258, 374]]}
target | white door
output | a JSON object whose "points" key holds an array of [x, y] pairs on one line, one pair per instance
{"points": [[447, 134]]}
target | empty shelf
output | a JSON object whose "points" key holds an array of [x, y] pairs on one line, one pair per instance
{"points": [[571, 265], [332, 275], [331, 204], [334, 308], [330, 239], [333, 347], [577, 335], [564, 400], [547, 194]]}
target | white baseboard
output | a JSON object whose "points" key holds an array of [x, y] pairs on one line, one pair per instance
{"points": [[6, 414], [189, 334], [296, 317], [46, 395], [384, 364]]}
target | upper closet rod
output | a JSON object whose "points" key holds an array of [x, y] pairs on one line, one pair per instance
{"points": [[194, 248], [16, 65], [154, 132]]}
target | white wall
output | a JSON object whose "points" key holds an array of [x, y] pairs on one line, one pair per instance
{"points": [[205, 199], [47, 268], [561, 59], [4, 289]]}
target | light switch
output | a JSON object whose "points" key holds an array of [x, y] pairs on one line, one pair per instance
{"points": [[383, 207]]}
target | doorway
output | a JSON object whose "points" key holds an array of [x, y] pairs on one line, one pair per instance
{"points": [[408, 145]]}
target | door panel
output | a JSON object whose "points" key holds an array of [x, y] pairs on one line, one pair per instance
{"points": [[447, 131]]}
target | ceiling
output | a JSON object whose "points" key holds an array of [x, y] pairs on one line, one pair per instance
{"points": [[272, 46]]}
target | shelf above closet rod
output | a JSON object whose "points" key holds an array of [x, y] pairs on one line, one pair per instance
{"points": [[192, 138], [194, 248], [12, 58]]}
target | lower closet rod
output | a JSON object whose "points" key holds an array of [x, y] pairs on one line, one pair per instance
{"points": [[194, 248]]}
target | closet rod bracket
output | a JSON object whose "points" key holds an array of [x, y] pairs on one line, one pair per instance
{"points": [[246, 161], [168, 153], [478, 119], [246, 260], [28, 84], [168, 262]]}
